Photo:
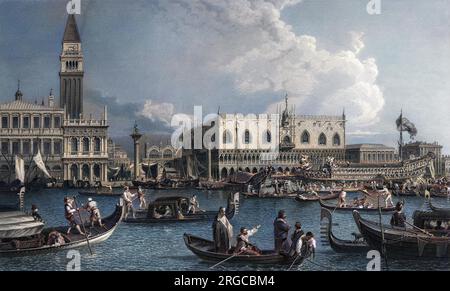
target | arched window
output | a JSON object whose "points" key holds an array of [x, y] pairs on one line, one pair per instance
{"points": [[287, 140], [167, 154], [268, 136], [74, 145], [154, 154], [97, 145], [247, 137], [85, 145], [336, 140], [226, 137], [322, 139], [305, 137]]}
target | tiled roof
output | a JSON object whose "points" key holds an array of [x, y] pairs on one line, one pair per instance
{"points": [[18, 105]]}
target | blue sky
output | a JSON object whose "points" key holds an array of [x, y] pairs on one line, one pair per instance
{"points": [[150, 59]]}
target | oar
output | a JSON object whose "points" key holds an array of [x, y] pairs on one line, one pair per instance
{"points": [[418, 228], [229, 258], [84, 229], [296, 258]]}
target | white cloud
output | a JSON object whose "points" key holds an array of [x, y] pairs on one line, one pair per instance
{"points": [[157, 111], [248, 41]]}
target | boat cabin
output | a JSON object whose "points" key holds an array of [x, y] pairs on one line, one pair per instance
{"points": [[435, 221], [168, 207]]}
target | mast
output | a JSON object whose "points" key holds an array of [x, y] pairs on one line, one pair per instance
{"points": [[400, 148]]}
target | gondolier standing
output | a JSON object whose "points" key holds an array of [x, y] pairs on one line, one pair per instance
{"points": [[95, 216], [141, 196], [222, 232], [69, 211], [341, 200], [281, 233], [128, 199], [298, 233]]}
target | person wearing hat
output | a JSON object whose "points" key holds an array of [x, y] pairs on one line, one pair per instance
{"points": [[69, 213], [281, 233], [95, 216]]}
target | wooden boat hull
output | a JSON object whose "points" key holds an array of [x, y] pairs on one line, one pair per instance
{"points": [[142, 217], [350, 209], [339, 245], [402, 243], [282, 196], [203, 249], [312, 198], [98, 235], [99, 193]]}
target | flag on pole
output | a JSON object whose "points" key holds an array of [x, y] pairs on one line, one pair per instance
{"points": [[403, 124], [20, 169], [40, 163]]}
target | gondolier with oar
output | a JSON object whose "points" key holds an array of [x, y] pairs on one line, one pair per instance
{"points": [[70, 211], [128, 198], [94, 212]]}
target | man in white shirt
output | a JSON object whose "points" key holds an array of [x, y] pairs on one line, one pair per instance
{"points": [[128, 200], [307, 243], [91, 206]]}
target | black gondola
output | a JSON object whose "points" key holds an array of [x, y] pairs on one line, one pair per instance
{"points": [[94, 193], [204, 249], [311, 197], [438, 209], [268, 196], [178, 207], [38, 243], [339, 245], [403, 242], [368, 210]]}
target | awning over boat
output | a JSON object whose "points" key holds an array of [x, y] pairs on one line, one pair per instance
{"points": [[16, 224]]}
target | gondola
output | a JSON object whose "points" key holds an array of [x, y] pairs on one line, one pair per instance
{"points": [[311, 197], [268, 196], [179, 205], [438, 209], [204, 249], [340, 245], [368, 210], [37, 243], [403, 242], [94, 193]]}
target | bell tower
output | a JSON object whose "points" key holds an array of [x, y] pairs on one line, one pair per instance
{"points": [[71, 70]]}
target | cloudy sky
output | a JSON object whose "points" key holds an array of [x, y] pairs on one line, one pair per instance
{"points": [[150, 59]]}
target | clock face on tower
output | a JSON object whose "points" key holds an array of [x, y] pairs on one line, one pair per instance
{"points": [[73, 48]]}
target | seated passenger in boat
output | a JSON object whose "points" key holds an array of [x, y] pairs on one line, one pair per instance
{"points": [[243, 246], [168, 212], [156, 214], [55, 238], [439, 226], [398, 217], [355, 202]]}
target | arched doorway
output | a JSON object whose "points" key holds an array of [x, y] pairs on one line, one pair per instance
{"points": [[86, 172], [224, 173], [97, 172], [74, 172]]}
